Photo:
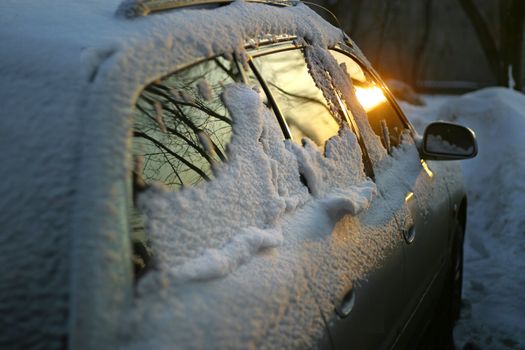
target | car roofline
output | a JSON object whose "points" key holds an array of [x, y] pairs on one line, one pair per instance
{"points": [[139, 8]]}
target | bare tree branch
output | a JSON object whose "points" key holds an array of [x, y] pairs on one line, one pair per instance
{"points": [[382, 30], [420, 48], [178, 134], [488, 44], [169, 151], [356, 16], [517, 27]]}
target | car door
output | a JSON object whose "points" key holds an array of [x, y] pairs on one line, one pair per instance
{"points": [[415, 190], [361, 314]]}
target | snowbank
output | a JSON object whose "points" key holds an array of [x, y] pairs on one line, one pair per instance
{"points": [[494, 314]]}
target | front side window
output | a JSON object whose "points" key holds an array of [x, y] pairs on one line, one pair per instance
{"points": [[301, 103], [382, 116]]}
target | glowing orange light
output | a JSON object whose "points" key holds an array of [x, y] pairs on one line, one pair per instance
{"points": [[369, 97]]}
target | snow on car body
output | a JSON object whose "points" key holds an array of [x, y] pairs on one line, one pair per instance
{"points": [[286, 253]]}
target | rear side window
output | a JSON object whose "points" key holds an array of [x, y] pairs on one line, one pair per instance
{"points": [[382, 116], [301, 103], [181, 126], [181, 132]]}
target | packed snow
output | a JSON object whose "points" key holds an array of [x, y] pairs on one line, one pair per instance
{"points": [[239, 211], [493, 313]]}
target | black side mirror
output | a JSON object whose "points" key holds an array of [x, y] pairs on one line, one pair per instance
{"points": [[447, 141]]}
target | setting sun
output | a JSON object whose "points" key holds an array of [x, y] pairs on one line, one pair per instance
{"points": [[369, 97]]}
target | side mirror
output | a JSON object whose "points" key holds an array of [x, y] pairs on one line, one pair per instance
{"points": [[447, 141]]}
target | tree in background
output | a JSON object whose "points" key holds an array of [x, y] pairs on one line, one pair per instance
{"points": [[424, 42], [421, 46], [505, 60], [383, 32]]}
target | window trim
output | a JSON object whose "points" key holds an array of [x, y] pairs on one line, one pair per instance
{"points": [[277, 111], [282, 46], [265, 46]]}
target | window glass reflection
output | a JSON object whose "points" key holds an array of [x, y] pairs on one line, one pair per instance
{"points": [[300, 101], [181, 126], [382, 116], [181, 130]]}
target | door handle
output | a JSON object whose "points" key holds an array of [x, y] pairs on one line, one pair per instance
{"points": [[347, 304], [409, 234]]}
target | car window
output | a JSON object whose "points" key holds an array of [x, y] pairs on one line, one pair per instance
{"points": [[301, 103], [382, 116], [181, 131], [181, 126]]}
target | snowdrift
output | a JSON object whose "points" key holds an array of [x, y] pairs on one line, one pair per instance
{"points": [[494, 316]]}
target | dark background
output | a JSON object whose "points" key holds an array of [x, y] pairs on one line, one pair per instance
{"points": [[438, 45]]}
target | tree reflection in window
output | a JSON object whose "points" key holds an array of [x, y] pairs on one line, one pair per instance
{"points": [[181, 131], [181, 125], [301, 102]]}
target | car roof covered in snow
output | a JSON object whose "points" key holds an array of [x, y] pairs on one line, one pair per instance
{"points": [[75, 36]]}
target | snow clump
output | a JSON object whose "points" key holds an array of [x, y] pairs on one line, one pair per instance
{"points": [[239, 212]]}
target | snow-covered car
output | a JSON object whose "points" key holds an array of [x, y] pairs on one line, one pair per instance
{"points": [[227, 175]]}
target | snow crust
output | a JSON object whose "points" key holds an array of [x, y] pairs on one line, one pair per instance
{"points": [[493, 315], [206, 232]]}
